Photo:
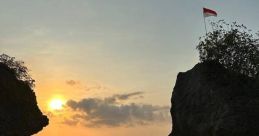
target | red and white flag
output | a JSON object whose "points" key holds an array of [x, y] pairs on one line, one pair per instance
{"points": [[209, 12]]}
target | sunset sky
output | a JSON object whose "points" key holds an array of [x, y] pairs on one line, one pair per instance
{"points": [[108, 67]]}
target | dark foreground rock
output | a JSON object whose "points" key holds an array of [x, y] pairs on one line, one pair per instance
{"points": [[19, 113], [209, 100]]}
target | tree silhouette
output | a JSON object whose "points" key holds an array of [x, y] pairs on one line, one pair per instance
{"points": [[20, 71], [233, 46]]}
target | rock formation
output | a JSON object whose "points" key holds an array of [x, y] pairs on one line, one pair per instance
{"points": [[19, 113], [209, 100]]}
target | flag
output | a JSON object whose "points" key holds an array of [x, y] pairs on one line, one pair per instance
{"points": [[209, 12]]}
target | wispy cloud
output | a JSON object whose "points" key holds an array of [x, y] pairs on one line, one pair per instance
{"points": [[91, 86], [96, 112], [72, 82], [122, 97]]}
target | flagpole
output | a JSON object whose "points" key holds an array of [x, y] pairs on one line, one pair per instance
{"points": [[207, 13], [205, 25]]}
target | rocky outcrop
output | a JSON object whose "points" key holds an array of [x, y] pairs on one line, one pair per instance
{"points": [[19, 113], [209, 100]]}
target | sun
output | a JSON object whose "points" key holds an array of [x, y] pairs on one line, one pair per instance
{"points": [[56, 104]]}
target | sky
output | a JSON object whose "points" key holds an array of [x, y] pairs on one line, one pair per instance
{"points": [[112, 63]]}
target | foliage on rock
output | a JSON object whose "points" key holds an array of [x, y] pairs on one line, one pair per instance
{"points": [[233, 46], [19, 69]]}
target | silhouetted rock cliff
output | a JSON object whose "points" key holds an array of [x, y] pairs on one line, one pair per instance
{"points": [[19, 113], [209, 100]]}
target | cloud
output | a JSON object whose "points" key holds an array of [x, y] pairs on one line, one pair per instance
{"points": [[121, 97], [90, 86], [96, 112], [127, 96], [93, 87], [72, 82]]}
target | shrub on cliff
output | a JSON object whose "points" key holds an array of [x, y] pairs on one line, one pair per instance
{"points": [[233, 46], [20, 71]]}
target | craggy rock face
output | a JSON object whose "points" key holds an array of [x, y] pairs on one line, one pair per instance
{"points": [[19, 113], [209, 100]]}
